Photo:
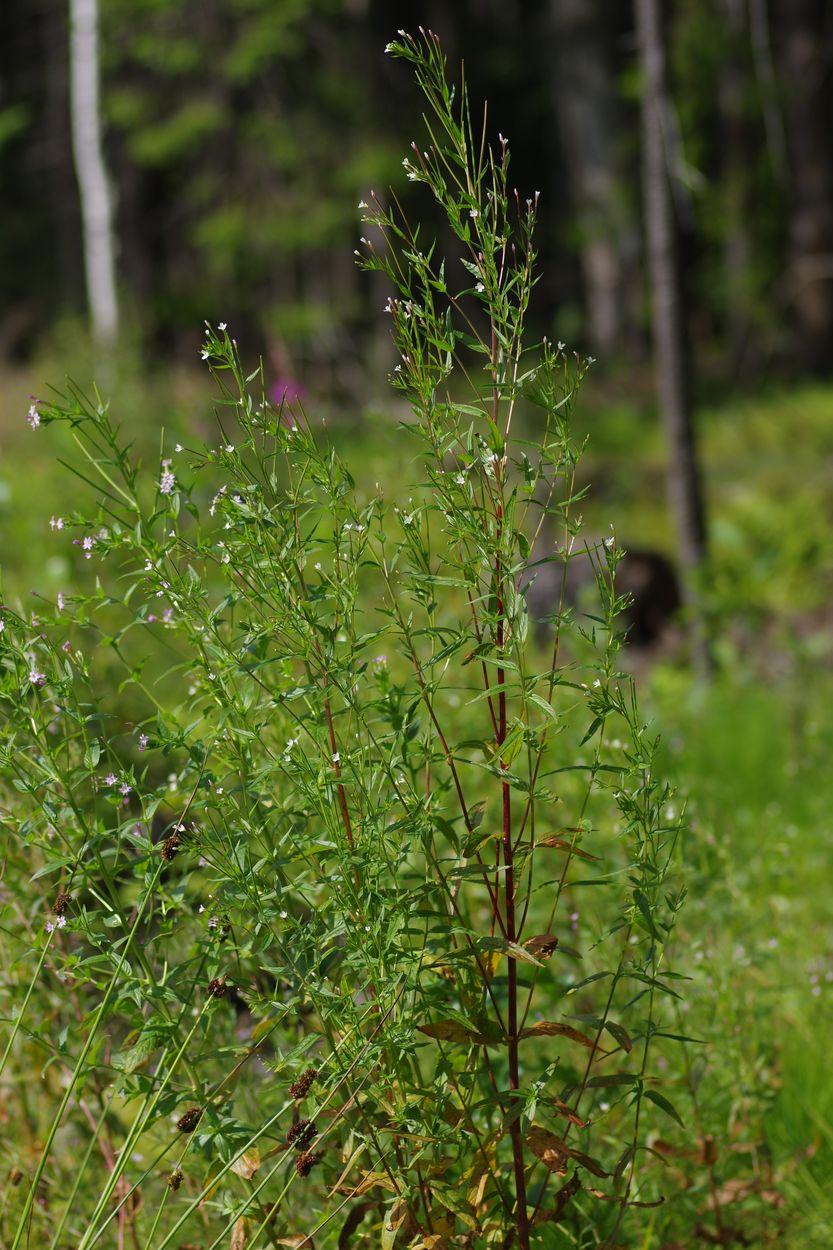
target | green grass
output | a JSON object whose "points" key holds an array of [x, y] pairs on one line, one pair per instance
{"points": [[758, 924]]}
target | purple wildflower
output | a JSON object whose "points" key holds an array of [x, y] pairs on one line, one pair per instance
{"points": [[36, 678], [143, 742], [33, 416]]}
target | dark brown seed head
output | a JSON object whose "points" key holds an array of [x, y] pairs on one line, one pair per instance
{"points": [[189, 1120], [15, 1176], [169, 848], [62, 902], [300, 1088], [175, 1179], [301, 1134], [306, 1162], [217, 987]]}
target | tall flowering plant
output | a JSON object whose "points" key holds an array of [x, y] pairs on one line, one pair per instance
{"points": [[357, 906]]}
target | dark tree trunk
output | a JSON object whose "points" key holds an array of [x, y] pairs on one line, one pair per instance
{"points": [[586, 107], [735, 148], [669, 339], [806, 94]]}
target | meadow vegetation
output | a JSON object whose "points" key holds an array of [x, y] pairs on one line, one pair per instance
{"points": [[338, 910]]}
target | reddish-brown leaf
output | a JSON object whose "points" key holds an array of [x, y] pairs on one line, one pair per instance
{"points": [[551, 1150], [567, 1112], [551, 1028]]}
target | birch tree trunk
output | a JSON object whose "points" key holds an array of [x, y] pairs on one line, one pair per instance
{"points": [[668, 331], [96, 211]]}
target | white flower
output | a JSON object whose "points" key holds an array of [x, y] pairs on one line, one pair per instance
{"points": [[33, 416], [204, 354], [56, 523], [178, 447], [336, 758], [222, 326]]}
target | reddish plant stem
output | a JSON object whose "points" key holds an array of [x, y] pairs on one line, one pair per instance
{"points": [[509, 912]]}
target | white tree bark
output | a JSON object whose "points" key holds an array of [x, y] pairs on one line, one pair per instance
{"points": [[96, 210]]}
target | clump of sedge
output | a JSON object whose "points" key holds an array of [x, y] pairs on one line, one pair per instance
{"points": [[301, 1134], [217, 987], [189, 1120], [170, 847], [300, 1088], [307, 1161], [175, 1179], [62, 902]]}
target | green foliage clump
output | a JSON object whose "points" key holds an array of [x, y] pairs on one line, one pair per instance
{"points": [[356, 930]]}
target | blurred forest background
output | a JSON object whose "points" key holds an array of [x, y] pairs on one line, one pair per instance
{"points": [[232, 141], [240, 135]]}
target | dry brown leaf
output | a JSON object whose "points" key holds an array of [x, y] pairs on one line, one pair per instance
{"points": [[567, 1112], [542, 946], [247, 1164], [551, 1150], [587, 1161], [551, 1028], [239, 1234], [369, 1181], [555, 1154]]}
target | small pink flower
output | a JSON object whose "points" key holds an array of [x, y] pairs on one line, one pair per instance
{"points": [[168, 481], [36, 678]]}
